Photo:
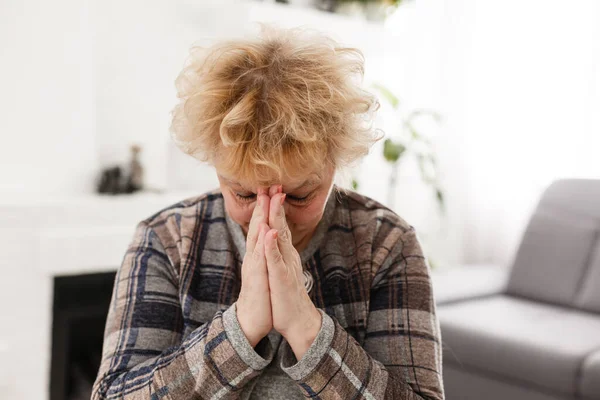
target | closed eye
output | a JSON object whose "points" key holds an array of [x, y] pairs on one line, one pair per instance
{"points": [[246, 197], [296, 199]]}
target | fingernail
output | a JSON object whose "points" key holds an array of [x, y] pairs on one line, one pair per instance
{"points": [[279, 189], [275, 235], [282, 199]]}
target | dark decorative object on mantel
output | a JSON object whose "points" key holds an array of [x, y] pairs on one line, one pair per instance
{"points": [[135, 179], [110, 181], [114, 181]]}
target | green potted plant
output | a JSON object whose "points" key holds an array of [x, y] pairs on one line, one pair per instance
{"points": [[411, 142]]}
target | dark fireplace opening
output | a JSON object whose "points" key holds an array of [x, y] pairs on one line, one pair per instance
{"points": [[79, 312]]}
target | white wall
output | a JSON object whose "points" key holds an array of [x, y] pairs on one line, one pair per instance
{"points": [[47, 128], [141, 47], [47, 97]]}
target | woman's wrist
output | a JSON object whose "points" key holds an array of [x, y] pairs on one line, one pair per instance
{"points": [[302, 336], [252, 336]]}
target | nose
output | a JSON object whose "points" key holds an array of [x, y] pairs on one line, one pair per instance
{"points": [[262, 190], [274, 189]]}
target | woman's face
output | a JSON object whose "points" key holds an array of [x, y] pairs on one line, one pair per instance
{"points": [[306, 196]]}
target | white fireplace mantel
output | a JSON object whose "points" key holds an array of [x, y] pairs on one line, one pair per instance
{"points": [[46, 236]]}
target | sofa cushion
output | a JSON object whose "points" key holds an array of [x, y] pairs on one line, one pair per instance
{"points": [[588, 297], [590, 377], [580, 196], [553, 256], [463, 384], [468, 282], [533, 343]]}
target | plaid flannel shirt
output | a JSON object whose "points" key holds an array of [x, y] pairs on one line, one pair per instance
{"points": [[171, 330]]}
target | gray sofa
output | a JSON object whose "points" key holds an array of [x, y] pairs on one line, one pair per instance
{"points": [[536, 334]]}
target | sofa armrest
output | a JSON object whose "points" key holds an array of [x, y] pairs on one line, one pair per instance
{"points": [[469, 282]]}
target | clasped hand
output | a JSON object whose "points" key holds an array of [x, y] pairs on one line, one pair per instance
{"points": [[273, 294]]}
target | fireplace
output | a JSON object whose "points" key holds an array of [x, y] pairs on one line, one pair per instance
{"points": [[80, 307]]}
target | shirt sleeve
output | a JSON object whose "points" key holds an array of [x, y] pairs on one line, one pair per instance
{"points": [[401, 357], [144, 355]]}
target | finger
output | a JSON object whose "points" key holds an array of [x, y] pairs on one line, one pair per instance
{"points": [[259, 261], [259, 215], [275, 263], [277, 220]]}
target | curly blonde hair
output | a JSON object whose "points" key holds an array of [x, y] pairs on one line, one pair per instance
{"points": [[277, 104]]}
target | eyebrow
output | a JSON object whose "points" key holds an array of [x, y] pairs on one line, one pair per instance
{"points": [[229, 181], [308, 182]]}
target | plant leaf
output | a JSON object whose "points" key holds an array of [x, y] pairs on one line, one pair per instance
{"points": [[393, 151], [440, 198], [387, 95]]}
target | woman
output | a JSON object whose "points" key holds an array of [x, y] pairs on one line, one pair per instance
{"points": [[278, 285]]}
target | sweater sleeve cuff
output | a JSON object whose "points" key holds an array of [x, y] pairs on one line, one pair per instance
{"points": [[241, 344], [313, 355]]}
